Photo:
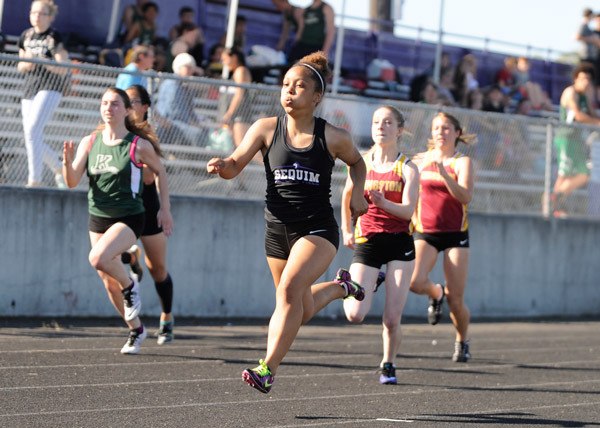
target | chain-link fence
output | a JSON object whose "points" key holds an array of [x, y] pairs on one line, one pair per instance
{"points": [[515, 159]]}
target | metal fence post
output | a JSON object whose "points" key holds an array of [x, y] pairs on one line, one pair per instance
{"points": [[548, 170]]}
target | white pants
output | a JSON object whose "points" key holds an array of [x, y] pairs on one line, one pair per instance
{"points": [[36, 113]]}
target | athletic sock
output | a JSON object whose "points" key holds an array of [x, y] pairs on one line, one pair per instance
{"points": [[125, 290], [164, 290]]}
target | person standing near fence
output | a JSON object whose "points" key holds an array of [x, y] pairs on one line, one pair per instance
{"points": [[383, 234], [302, 235], [576, 106], [43, 87], [113, 157], [239, 111], [317, 32], [441, 224], [153, 237]]}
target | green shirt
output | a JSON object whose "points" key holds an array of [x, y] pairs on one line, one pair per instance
{"points": [[115, 179], [314, 26]]}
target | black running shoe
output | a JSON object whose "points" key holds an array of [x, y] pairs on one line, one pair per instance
{"points": [[462, 354], [388, 374], [434, 311]]}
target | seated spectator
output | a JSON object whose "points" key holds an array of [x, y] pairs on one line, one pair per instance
{"points": [[446, 86], [505, 77], [293, 20], [190, 40], [523, 107], [239, 35], [417, 84], [174, 113], [493, 100], [143, 31], [142, 60], [186, 16], [429, 94], [474, 99], [528, 89], [213, 67]]}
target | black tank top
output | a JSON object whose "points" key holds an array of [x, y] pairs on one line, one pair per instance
{"points": [[298, 180]]}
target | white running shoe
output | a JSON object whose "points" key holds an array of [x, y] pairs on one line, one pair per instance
{"points": [[134, 342], [131, 300]]}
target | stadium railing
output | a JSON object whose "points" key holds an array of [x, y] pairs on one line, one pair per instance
{"points": [[514, 156]]}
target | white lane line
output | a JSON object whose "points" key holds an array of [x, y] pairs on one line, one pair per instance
{"points": [[201, 360], [291, 399]]}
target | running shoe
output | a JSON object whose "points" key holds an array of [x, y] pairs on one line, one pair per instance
{"points": [[134, 341], [352, 288], [134, 261], [388, 374], [380, 280], [462, 354], [131, 299], [434, 311], [259, 377], [165, 333]]}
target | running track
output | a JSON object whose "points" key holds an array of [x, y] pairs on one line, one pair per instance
{"points": [[69, 373]]}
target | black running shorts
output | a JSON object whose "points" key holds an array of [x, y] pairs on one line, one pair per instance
{"points": [[102, 224], [151, 205], [445, 240], [382, 248], [280, 238]]}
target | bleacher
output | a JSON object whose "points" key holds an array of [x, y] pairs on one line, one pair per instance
{"points": [[186, 164]]}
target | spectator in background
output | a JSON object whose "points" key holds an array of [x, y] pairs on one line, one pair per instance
{"points": [[190, 40], [175, 115], [43, 88], [186, 16], [493, 100], [239, 36], [529, 89], [143, 31], [317, 33], [132, 14], [446, 86], [505, 77], [597, 64], [523, 107], [239, 113], [475, 99], [429, 94], [213, 67], [590, 42], [142, 60], [293, 20], [465, 78], [576, 106]]}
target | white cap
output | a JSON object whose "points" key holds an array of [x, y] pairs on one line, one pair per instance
{"points": [[182, 60]]}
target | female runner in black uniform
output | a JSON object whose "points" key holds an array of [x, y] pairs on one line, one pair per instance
{"points": [[302, 235], [153, 237]]}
